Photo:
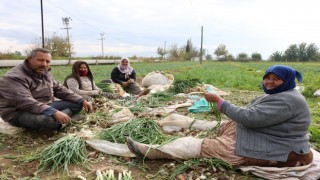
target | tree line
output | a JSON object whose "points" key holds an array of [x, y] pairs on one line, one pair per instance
{"points": [[294, 53], [58, 46]]}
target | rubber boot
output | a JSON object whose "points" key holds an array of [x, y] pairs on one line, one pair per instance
{"points": [[143, 151], [144, 92]]}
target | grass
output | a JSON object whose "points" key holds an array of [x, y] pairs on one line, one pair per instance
{"points": [[228, 76]]}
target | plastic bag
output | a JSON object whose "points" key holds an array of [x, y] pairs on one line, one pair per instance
{"points": [[200, 106]]}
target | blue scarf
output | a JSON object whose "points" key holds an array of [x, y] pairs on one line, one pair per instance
{"points": [[286, 74]]}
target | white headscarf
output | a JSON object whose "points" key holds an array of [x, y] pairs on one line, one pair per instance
{"points": [[127, 70]]}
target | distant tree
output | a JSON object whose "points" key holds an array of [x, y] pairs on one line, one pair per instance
{"points": [[11, 55], [302, 52], [230, 57], [173, 52], [312, 51], [17, 53], [292, 53], [242, 57], [209, 57], [277, 56], [221, 51], [256, 56], [56, 44], [162, 52], [188, 46], [189, 51], [134, 57]]}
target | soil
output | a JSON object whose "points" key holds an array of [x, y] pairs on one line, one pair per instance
{"points": [[18, 158]]}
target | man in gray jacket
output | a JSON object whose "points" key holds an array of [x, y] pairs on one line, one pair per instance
{"points": [[28, 92]]}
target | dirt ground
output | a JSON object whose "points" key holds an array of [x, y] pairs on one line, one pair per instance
{"points": [[18, 159]]}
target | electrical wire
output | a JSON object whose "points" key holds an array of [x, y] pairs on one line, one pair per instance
{"points": [[90, 25], [194, 13]]}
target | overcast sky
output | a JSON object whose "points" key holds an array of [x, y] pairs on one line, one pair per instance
{"points": [[139, 27]]}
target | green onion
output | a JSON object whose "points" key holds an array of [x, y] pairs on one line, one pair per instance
{"points": [[182, 86], [141, 130], [196, 162], [67, 150]]}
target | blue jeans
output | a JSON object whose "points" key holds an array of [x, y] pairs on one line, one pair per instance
{"points": [[43, 122]]}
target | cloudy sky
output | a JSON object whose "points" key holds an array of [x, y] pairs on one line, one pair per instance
{"points": [[139, 27]]}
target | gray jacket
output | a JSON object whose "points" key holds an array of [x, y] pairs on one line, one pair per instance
{"points": [[272, 126], [22, 90]]}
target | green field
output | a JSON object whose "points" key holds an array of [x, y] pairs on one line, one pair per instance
{"points": [[229, 76]]}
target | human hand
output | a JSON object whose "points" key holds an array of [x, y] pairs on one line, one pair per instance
{"points": [[125, 84], [87, 106], [61, 117], [130, 81], [94, 92], [210, 97]]}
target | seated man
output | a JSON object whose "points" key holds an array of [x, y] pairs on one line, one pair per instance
{"points": [[27, 94]]}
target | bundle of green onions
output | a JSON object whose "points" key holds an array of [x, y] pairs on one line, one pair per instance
{"points": [[182, 86], [215, 111], [141, 130], [105, 87], [67, 150], [196, 162]]}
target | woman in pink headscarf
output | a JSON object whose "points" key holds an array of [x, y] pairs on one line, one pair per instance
{"points": [[125, 75]]}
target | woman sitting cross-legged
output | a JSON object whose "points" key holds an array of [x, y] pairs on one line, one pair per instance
{"points": [[272, 131], [81, 82], [125, 75]]}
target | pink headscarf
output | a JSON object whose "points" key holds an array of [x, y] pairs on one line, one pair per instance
{"points": [[127, 70]]}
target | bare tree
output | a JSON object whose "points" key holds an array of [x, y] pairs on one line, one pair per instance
{"points": [[221, 51], [162, 52], [56, 44]]}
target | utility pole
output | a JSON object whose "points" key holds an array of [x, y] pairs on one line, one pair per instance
{"points": [[65, 21], [101, 34], [201, 53], [42, 28]]}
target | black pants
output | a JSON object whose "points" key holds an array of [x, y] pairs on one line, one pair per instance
{"points": [[43, 122]]}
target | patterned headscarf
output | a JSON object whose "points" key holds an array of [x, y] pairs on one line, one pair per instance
{"points": [[127, 70], [286, 74]]}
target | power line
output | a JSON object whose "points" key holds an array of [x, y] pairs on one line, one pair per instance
{"points": [[90, 25], [194, 13]]}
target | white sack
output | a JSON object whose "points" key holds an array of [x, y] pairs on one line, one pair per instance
{"points": [[308, 172], [157, 78], [168, 109], [317, 93], [110, 148], [122, 116], [158, 88], [175, 122], [7, 128], [182, 148]]}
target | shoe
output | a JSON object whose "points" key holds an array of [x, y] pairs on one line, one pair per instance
{"points": [[47, 132], [78, 117], [133, 147], [142, 151], [144, 92], [63, 126]]}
